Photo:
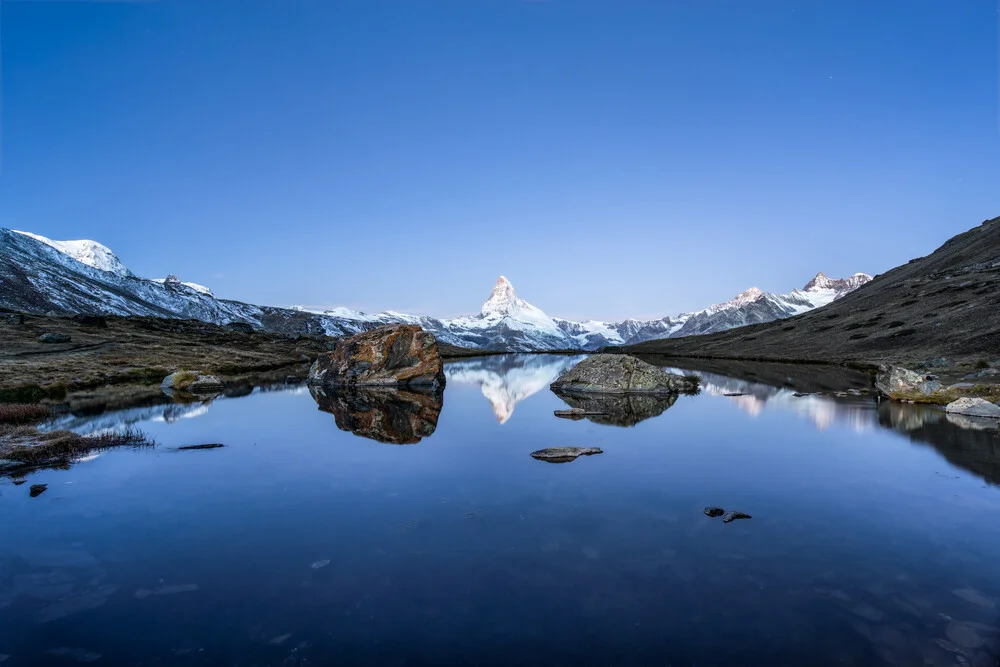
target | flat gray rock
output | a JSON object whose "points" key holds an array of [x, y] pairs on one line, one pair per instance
{"points": [[973, 407], [564, 454]]}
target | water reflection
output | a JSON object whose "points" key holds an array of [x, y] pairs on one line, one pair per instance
{"points": [[392, 416], [619, 409], [508, 379]]}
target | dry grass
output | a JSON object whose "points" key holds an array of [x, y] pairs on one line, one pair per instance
{"points": [[18, 413], [29, 446]]}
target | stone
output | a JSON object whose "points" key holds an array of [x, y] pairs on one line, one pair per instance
{"points": [[714, 511], [38, 489], [12, 318], [195, 382], [239, 327], [729, 517], [974, 407], [54, 338], [94, 321], [564, 454], [896, 381], [575, 413], [963, 635], [211, 445], [401, 355], [621, 374], [384, 414]]}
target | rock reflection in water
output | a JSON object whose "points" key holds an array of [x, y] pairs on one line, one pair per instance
{"points": [[972, 446], [619, 409], [393, 416]]}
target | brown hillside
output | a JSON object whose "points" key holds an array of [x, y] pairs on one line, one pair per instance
{"points": [[946, 304]]}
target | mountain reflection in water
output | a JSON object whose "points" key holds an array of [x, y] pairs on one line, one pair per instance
{"points": [[508, 379]]}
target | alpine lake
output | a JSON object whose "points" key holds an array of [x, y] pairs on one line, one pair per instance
{"points": [[410, 529]]}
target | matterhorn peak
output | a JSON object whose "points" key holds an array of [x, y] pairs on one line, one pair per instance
{"points": [[502, 299]]}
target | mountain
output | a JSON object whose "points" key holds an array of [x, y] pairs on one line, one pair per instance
{"points": [[944, 305], [38, 275]]}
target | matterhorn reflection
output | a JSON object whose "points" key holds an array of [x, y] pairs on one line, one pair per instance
{"points": [[508, 379]]}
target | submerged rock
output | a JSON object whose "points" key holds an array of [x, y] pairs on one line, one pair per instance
{"points": [[564, 454], [617, 409], [899, 382], [974, 407], [729, 517], [714, 511], [394, 356], [621, 374], [54, 338], [389, 415], [38, 489]]}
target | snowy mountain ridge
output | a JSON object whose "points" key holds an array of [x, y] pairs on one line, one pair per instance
{"points": [[38, 275]]}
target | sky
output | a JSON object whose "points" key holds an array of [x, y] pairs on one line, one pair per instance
{"points": [[612, 159]]}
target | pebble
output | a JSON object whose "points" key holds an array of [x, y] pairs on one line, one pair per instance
{"points": [[963, 635], [280, 639], [975, 597], [865, 610], [320, 563]]}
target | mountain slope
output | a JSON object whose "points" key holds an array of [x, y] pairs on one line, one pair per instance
{"points": [[38, 275], [945, 304]]}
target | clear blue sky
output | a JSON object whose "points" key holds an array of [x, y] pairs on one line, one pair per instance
{"points": [[611, 158]]}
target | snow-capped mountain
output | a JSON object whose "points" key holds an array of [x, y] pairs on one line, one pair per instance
{"points": [[91, 253], [38, 275]]}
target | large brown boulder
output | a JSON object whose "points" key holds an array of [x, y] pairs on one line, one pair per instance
{"points": [[401, 355]]}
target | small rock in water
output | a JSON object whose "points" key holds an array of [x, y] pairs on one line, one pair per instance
{"points": [[3, 657], [975, 597], [732, 394], [865, 610], [19, 482], [320, 563], [733, 516], [212, 445], [576, 413], [38, 489], [963, 635], [280, 639], [564, 454], [714, 511], [78, 654], [172, 589]]}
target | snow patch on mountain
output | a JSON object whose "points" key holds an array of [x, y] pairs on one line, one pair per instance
{"points": [[91, 253]]}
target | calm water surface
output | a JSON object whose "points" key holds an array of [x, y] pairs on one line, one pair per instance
{"points": [[874, 536]]}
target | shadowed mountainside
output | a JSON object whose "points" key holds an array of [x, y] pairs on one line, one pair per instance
{"points": [[946, 304]]}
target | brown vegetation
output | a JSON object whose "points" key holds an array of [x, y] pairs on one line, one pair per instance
{"points": [[137, 351], [20, 413], [30, 447]]}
